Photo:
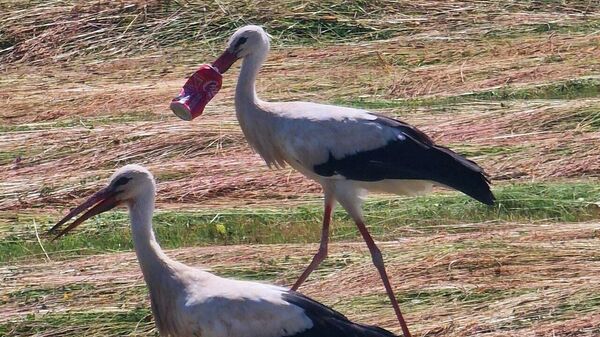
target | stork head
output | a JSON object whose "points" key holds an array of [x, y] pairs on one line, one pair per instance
{"points": [[126, 185], [247, 40]]}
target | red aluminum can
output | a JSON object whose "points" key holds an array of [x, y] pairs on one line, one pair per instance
{"points": [[199, 89]]}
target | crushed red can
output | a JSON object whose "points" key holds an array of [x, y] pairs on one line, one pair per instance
{"points": [[199, 89]]}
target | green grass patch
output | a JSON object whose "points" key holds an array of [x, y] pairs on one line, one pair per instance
{"points": [[27, 295], [571, 89], [38, 295], [475, 151], [581, 302], [8, 157], [584, 119], [586, 26], [267, 271], [81, 122], [585, 301], [426, 298], [388, 219], [90, 323]]}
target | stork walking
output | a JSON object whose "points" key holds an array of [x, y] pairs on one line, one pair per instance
{"points": [[348, 151], [188, 301]]}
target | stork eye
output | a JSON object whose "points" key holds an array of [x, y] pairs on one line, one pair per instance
{"points": [[122, 181], [240, 42]]}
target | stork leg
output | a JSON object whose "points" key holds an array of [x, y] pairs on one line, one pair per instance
{"points": [[322, 252], [378, 262]]}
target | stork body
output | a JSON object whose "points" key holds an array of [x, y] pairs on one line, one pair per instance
{"points": [[188, 301], [348, 151]]}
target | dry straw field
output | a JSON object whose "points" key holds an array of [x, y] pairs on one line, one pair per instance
{"points": [[514, 85]]}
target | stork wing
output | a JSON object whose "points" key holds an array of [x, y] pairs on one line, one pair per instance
{"points": [[328, 322], [410, 155], [250, 309], [330, 141]]}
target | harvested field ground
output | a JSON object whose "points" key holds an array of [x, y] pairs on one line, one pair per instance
{"points": [[515, 86]]}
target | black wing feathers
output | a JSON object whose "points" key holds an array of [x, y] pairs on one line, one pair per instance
{"points": [[415, 157], [330, 323], [406, 129]]}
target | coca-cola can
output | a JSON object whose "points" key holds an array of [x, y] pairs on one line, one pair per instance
{"points": [[199, 89]]}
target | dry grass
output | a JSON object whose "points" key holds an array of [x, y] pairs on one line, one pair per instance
{"points": [[65, 30], [200, 162], [83, 87], [517, 279]]}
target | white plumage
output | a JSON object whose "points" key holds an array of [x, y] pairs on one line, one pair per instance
{"points": [[189, 301], [348, 151]]}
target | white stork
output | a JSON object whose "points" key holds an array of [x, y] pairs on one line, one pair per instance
{"points": [[348, 151], [190, 302]]}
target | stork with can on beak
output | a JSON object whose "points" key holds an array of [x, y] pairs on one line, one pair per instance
{"points": [[348, 151]]}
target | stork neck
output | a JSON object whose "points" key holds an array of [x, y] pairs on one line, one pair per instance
{"points": [[149, 253], [245, 92]]}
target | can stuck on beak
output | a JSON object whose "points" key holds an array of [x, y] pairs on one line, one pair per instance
{"points": [[199, 89]]}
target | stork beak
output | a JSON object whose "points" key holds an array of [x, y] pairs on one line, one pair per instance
{"points": [[224, 62], [102, 201]]}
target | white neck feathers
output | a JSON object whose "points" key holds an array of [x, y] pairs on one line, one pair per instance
{"points": [[166, 279], [245, 91], [252, 113]]}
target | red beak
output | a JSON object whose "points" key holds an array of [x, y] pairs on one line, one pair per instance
{"points": [[102, 201], [224, 62]]}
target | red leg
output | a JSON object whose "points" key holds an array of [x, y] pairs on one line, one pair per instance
{"points": [[378, 262], [322, 253]]}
